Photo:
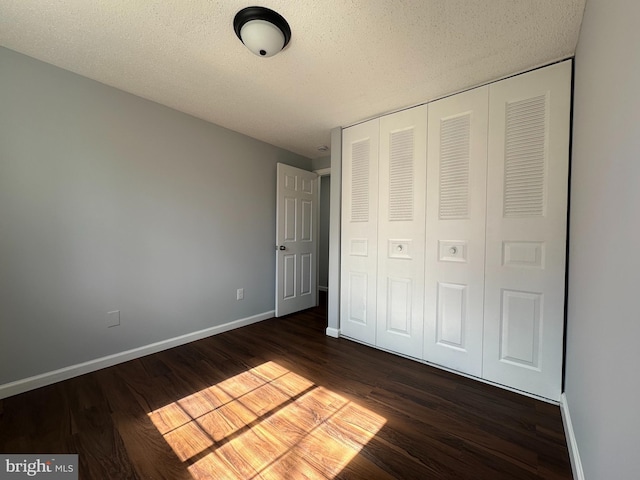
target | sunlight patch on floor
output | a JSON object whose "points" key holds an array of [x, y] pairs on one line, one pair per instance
{"points": [[267, 422]]}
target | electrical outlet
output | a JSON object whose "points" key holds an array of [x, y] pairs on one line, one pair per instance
{"points": [[113, 318], [240, 294]]}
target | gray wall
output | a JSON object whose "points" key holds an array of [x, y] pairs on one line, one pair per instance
{"points": [[323, 255], [111, 202], [602, 386], [322, 162]]}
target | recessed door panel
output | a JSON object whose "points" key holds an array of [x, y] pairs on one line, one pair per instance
{"points": [[357, 298], [359, 247], [523, 254], [306, 272], [290, 229], [520, 328], [289, 272], [290, 182], [399, 306], [307, 185], [452, 316], [307, 221]]}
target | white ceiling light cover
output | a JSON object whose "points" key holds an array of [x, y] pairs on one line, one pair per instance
{"points": [[262, 38]]}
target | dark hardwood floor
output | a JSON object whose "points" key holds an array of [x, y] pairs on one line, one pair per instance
{"points": [[280, 400]]}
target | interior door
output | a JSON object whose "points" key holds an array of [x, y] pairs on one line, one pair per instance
{"points": [[456, 182], [529, 121], [296, 239], [401, 220]]}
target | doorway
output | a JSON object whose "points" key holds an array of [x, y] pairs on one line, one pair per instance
{"points": [[323, 236]]}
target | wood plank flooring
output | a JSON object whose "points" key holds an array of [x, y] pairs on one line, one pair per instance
{"points": [[280, 400]]}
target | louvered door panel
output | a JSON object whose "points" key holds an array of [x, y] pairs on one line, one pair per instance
{"points": [[402, 170], [526, 230], [524, 159], [452, 136], [359, 242], [455, 223]]}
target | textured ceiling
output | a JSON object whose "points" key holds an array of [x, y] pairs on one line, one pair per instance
{"points": [[348, 60]]}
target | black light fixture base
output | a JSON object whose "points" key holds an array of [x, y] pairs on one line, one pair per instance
{"points": [[261, 13]]}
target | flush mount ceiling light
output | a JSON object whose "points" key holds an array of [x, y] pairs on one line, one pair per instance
{"points": [[262, 30]]}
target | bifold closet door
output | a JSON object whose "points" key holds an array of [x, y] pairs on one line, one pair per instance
{"points": [[529, 121], [455, 224], [402, 177], [359, 238]]}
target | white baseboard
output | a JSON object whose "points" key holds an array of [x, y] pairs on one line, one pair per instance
{"points": [[333, 332], [37, 381], [572, 445], [323, 289]]}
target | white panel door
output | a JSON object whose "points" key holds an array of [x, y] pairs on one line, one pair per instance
{"points": [[296, 239], [455, 246], [529, 120], [358, 250], [403, 159]]}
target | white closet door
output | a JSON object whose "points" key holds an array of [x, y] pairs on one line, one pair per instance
{"points": [[403, 158], [359, 231], [526, 230], [455, 242]]}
